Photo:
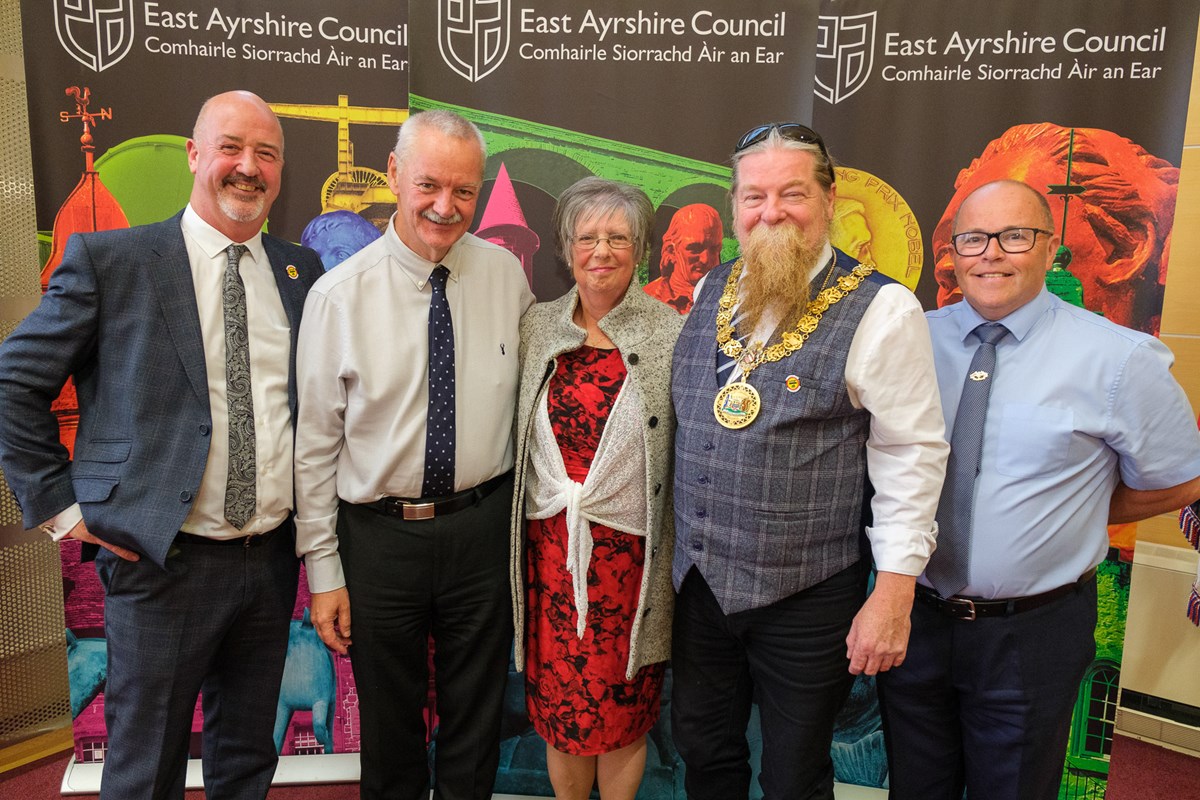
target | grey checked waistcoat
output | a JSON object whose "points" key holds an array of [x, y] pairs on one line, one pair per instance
{"points": [[776, 507]]}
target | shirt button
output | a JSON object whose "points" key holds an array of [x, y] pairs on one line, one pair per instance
{"points": [[653, 422], [701, 514], [185, 496], [203, 429], [633, 358], [698, 547], [702, 480]]}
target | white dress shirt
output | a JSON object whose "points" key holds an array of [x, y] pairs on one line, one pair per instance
{"points": [[270, 349], [362, 366], [890, 373]]}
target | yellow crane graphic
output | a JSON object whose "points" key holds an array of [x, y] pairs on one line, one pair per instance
{"points": [[351, 188]]}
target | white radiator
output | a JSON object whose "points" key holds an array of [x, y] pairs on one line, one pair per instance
{"points": [[1160, 669]]}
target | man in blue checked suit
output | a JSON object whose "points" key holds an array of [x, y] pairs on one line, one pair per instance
{"points": [[180, 337]]}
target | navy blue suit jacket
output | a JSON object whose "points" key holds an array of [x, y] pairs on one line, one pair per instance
{"points": [[120, 316]]}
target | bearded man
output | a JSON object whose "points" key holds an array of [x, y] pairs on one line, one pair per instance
{"points": [[810, 441]]}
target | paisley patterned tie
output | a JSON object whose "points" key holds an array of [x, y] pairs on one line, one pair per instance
{"points": [[239, 487]]}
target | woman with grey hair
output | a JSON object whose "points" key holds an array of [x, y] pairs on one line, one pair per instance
{"points": [[592, 525]]}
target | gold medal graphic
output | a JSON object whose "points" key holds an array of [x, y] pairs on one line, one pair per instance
{"points": [[874, 224]]}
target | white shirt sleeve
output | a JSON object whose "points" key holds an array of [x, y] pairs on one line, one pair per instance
{"points": [[61, 523], [320, 435], [890, 373]]}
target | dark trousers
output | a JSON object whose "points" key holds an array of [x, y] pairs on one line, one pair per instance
{"points": [[407, 579], [790, 657], [986, 705], [216, 620]]}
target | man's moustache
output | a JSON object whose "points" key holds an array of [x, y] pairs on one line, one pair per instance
{"points": [[238, 177], [435, 217]]}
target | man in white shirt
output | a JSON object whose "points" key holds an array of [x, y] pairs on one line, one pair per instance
{"points": [[180, 338], [800, 376], [408, 377]]}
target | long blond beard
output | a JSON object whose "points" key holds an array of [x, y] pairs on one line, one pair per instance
{"points": [[779, 260]]}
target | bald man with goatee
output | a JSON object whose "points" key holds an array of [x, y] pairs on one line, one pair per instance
{"points": [[180, 337], [810, 449]]}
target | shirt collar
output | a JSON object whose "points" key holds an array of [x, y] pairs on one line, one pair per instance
{"points": [[822, 262], [414, 266], [1019, 322], [213, 243]]}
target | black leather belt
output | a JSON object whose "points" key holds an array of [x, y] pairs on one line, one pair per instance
{"points": [[430, 507], [252, 540], [970, 608]]}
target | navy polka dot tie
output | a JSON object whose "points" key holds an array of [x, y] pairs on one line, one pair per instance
{"points": [[439, 426]]}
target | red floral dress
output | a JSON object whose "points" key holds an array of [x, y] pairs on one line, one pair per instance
{"points": [[575, 689]]}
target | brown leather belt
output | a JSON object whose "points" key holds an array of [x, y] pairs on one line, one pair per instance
{"points": [[428, 508], [970, 608]]}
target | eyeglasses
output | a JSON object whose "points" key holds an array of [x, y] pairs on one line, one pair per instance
{"points": [[792, 131], [618, 241], [1011, 240]]}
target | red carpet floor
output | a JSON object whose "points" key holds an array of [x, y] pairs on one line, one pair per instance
{"points": [[1141, 771]]}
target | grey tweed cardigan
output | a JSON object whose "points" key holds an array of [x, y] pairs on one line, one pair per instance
{"points": [[644, 330]]}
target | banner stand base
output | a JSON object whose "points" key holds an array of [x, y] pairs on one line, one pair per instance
{"points": [[81, 778]]}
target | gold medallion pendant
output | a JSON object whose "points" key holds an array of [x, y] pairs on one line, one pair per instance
{"points": [[737, 405]]}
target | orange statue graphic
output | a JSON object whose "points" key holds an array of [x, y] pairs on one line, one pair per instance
{"points": [[691, 247], [1118, 227]]}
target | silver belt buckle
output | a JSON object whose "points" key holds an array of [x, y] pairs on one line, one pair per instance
{"points": [[418, 510], [964, 609]]}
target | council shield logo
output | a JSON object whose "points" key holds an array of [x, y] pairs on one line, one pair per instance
{"points": [[473, 35], [845, 55], [96, 33]]}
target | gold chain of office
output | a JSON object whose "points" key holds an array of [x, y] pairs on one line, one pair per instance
{"points": [[790, 341]]}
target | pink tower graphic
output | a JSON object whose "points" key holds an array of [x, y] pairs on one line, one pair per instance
{"points": [[504, 224]]}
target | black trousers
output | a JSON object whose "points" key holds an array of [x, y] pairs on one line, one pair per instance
{"points": [[986, 705], [215, 620], [790, 657], [447, 577]]}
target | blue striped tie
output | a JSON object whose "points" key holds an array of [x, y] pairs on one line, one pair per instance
{"points": [[724, 362]]}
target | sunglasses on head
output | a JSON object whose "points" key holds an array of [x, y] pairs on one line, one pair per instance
{"points": [[792, 131]]}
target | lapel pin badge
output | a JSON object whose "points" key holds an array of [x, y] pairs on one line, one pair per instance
{"points": [[792, 383], [292, 272]]}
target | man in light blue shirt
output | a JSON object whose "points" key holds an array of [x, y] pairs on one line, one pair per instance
{"points": [[1070, 423]]}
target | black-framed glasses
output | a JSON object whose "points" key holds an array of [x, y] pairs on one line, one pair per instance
{"points": [[618, 241], [792, 131], [1011, 240]]}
